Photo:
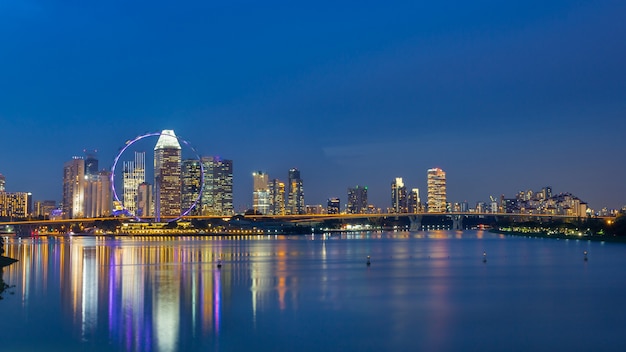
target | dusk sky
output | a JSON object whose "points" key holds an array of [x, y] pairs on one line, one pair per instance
{"points": [[502, 95]]}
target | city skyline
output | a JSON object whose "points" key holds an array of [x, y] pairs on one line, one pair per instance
{"points": [[503, 97]]}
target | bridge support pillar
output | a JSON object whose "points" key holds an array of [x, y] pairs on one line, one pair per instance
{"points": [[457, 222], [416, 223]]}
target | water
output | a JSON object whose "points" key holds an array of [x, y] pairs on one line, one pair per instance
{"points": [[425, 291]]}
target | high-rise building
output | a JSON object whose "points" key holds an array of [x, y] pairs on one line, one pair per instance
{"points": [[74, 188], [15, 204], [97, 194], [91, 162], [43, 208], [415, 204], [357, 200], [145, 204], [3, 182], [398, 196], [296, 193], [191, 177], [277, 197], [260, 193], [436, 190], [333, 206], [217, 195], [134, 174], [167, 172]]}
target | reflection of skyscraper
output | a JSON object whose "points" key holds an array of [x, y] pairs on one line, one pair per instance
{"points": [[277, 197], [191, 178], [357, 200], [217, 195], [134, 174], [436, 190], [73, 188], [398, 196], [167, 170], [261, 193], [296, 193]]}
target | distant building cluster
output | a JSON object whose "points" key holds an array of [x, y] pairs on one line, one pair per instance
{"points": [[204, 186]]}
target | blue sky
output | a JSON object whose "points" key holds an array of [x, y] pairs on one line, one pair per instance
{"points": [[504, 96]]}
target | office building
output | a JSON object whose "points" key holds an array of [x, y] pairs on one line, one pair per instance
{"points": [[43, 208], [167, 174], [333, 206], [436, 182], [145, 204], [357, 200], [260, 193], [415, 204], [296, 193], [191, 178], [217, 195], [134, 174], [277, 197], [398, 196], [3, 182], [73, 188], [15, 204]]}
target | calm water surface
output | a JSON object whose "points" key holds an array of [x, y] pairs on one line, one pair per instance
{"points": [[425, 291]]}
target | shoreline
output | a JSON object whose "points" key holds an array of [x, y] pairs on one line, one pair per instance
{"points": [[595, 238]]}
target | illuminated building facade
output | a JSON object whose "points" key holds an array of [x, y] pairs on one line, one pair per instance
{"points": [[73, 188], [15, 204], [415, 204], [357, 200], [144, 200], [3, 182], [97, 194], [43, 208], [217, 195], [333, 206], [134, 174], [260, 193], [191, 178], [167, 175], [296, 193], [398, 196], [277, 197], [436, 183]]}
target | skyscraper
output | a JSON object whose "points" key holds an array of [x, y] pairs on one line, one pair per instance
{"points": [[296, 193], [398, 196], [97, 194], [277, 197], [145, 200], [333, 206], [436, 190], [217, 195], [415, 204], [2, 183], [74, 188], [167, 172], [260, 193], [191, 178], [134, 174], [357, 200]]}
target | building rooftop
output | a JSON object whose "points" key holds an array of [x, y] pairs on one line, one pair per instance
{"points": [[167, 140]]}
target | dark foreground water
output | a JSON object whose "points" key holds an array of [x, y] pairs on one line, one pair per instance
{"points": [[426, 291]]}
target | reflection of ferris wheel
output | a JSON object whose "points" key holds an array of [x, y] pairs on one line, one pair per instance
{"points": [[167, 140]]}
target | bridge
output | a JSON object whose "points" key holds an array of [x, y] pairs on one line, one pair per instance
{"points": [[415, 219]]}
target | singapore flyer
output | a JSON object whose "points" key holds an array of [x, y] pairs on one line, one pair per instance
{"points": [[177, 179]]}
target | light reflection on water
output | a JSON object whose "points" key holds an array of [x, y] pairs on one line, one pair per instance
{"points": [[423, 291]]}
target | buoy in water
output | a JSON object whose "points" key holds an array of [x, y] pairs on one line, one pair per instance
{"points": [[585, 253], [219, 263], [484, 257], [368, 260]]}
